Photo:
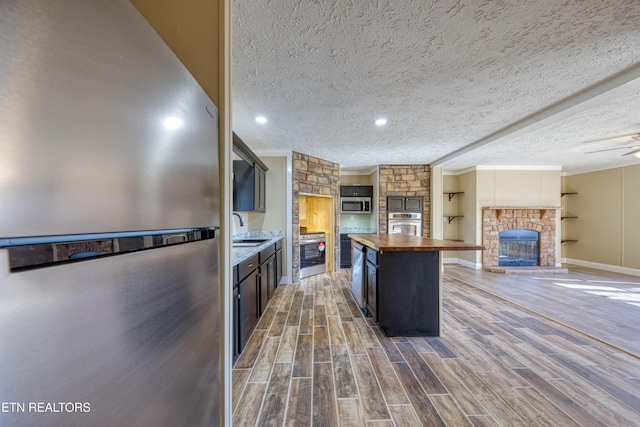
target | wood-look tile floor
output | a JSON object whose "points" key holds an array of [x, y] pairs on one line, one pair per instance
{"points": [[601, 304], [315, 360]]}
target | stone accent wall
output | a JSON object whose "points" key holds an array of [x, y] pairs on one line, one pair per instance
{"points": [[542, 220], [405, 180], [320, 177]]}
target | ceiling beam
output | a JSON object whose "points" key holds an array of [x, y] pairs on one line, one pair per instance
{"points": [[606, 90]]}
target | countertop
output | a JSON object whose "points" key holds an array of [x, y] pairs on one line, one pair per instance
{"points": [[240, 254], [406, 243]]}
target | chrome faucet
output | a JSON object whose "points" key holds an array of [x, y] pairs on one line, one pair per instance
{"points": [[239, 217]]}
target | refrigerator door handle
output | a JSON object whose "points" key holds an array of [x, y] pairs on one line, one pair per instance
{"points": [[37, 252]]}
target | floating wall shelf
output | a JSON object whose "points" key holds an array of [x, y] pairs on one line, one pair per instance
{"points": [[451, 194], [452, 217]]}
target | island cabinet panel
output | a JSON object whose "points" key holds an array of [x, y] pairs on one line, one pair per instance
{"points": [[345, 251], [372, 283], [407, 282], [408, 294]]}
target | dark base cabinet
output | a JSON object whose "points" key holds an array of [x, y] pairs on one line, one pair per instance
{"points": [[345, 251], [236, 330], [248, 307], [278, 263], [408, 294], [267, 282], [267, 276], [372, 290], [260, 277]]}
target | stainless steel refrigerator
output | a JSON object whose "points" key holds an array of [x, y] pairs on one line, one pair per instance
{"points": [[109, 223]]}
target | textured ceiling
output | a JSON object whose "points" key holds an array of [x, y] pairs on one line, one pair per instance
{"points": [[493, 81]]}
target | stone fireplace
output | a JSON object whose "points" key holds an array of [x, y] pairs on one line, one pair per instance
{"points": [[518, 247], [541, 221]]}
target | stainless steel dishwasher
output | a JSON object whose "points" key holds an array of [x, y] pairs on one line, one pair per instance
{"points": [[357, 273]]}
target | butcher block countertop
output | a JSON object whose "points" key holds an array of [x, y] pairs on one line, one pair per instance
{"points": [[406, 243]]}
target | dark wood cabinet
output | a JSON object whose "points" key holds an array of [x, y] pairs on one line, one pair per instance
{"points": [[413, 204], [260, 202], [248, 307], [395, 204], [404, 204], [267, 282], [279, 265], [267, 276], [255, 282], [372, 283], [236, 330], [345, 251], [407, 293], [249, 187], [249, 179], [356, 191]]}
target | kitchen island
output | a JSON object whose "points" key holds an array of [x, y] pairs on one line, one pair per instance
{"points": [[402, 281]]}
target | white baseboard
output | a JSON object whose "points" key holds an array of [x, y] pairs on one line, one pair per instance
{"points": [[605, 267], [462, 262]]}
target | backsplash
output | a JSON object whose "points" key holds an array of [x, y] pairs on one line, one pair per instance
{"points": [[269, 234], [364, 230]]}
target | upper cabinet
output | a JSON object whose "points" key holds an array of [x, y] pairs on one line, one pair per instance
{"points": [[249, 179], [404, 204], [356, 191]]}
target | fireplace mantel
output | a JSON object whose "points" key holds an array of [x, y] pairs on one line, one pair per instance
{"points": [[542, 210]]}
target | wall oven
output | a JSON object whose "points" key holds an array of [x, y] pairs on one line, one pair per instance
{"points": [[404, 223], [312, 254], [355, 205]]}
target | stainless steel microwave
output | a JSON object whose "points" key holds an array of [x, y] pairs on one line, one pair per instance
{"points": [[355, 205]]}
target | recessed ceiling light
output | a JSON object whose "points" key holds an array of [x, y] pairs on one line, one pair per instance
{"points": [[172, 122], [261, 119], [381, 122]]}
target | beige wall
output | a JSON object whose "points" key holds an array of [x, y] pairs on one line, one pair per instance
{"points": [[630, 215], [518, 188], [467, 228], [528, 188], [192, 29], [275, 216], [471, 226], [450, 207], [482, 188], [607, 206]]}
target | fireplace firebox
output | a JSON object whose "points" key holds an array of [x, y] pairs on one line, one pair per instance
{"points": [[518, 247]]}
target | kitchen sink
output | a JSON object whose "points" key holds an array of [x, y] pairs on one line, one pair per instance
{"points": [[248, 242]]}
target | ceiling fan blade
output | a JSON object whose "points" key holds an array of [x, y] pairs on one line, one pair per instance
{"points": [[636, 151], [620, 138], [609, 149]]}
